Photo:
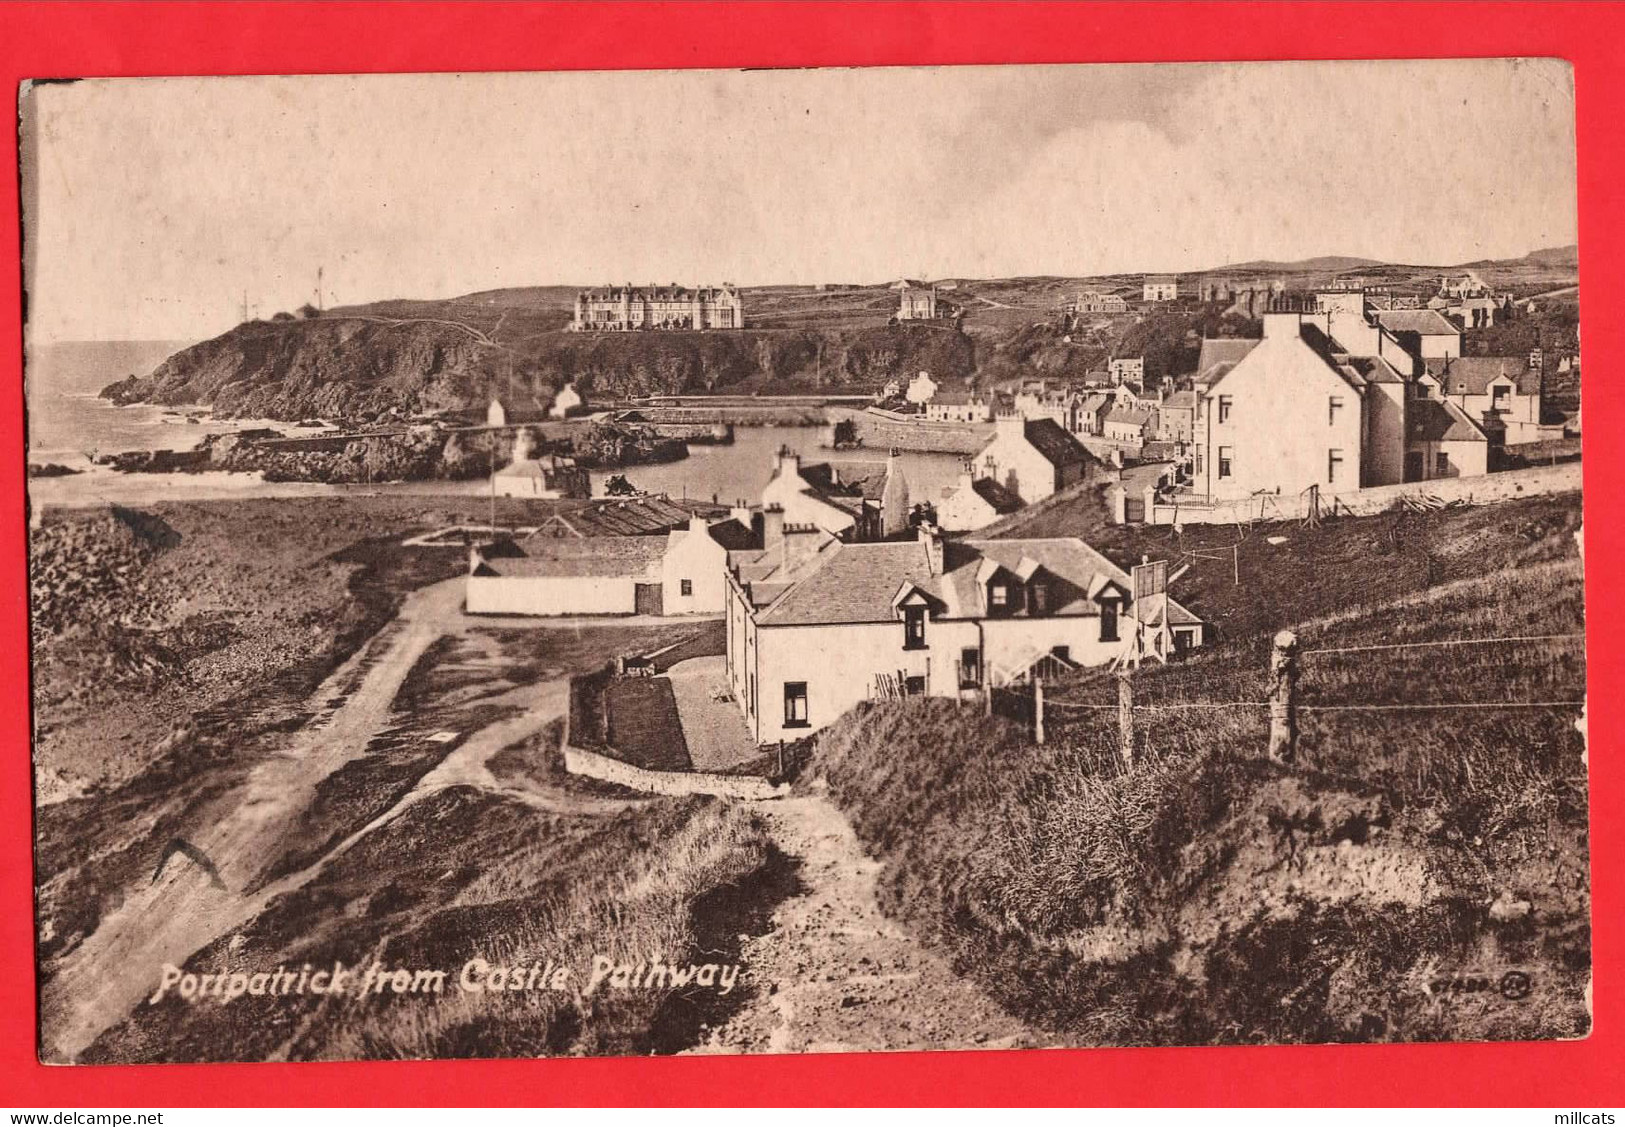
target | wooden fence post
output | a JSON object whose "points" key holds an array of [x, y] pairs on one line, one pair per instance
{"points": [[1125, 720], [1283, 698], [1038, 708]]}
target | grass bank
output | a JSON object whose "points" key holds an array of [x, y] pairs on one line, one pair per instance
{"points": [[465, 875], [1381, 887]]}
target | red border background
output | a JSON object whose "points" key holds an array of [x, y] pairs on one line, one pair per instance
{"points": [[83, 40]]}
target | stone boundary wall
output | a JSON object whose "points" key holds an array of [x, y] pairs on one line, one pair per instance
{"points": [[578, 761], [1480, 490], [606, 769], [880, 429]]}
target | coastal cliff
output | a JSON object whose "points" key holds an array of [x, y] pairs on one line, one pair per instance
{"points": [[361, 367]]}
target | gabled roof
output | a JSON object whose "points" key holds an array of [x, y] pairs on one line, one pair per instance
{"points": [[1132, 416], [1472, 375], [607, 556], [1057, 446], [631, 516], [1435, 420], [1374, 369], [732, 535], [1223, 350], [1427, 322], [854, 583], [545, 466], [953, 396], [1180, 400], [1312, 338], [1000, 498]]}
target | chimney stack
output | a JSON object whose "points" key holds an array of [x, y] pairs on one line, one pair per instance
{"points": [[772, 526], [931, 539]]}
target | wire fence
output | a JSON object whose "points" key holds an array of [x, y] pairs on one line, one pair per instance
{"points": [[1283, 701]]}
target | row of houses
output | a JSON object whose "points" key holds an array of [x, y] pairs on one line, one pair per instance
{"points": [[833, 590], [1352, 396]]}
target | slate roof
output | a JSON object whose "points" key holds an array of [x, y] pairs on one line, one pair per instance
{"points": [[955, 397], [545, 466], [1434, 420], [1051, 440], [1374, 369], [1002, 500], [607, 556], [1472, 375], [1130, 415], [1223, 350], [1180, 400], [842, 477], [858, 582], [1427, 322], [732, 535], [855, 584], [631, 516]]}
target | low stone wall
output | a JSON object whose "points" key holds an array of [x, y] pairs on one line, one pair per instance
{"points": [[607, 769], [1480, 490], [579, 761], [880, 429]]}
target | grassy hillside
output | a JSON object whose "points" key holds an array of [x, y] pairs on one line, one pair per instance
{"points": [[1378, 888], [465, 874]]}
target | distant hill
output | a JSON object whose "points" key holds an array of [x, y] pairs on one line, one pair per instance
{"points": [[1325, 263], [1555, 256]]}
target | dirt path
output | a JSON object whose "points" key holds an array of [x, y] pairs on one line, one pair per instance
{"points": [[834, 975], [112, 968]]}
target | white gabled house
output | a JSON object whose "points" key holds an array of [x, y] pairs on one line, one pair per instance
{"points": [[812, 631], [680, 572], [1306, 407], [1034, 458], [1505, 387], [975, 502]]}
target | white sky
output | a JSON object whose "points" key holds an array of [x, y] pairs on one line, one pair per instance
{"points": [[162, 200]]}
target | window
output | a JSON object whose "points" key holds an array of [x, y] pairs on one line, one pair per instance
{"points": [[1333, 405], [1441, 463], [914, 628], [1198, 459], [1334, 462], [1040, 598], [1499, 396], [795, 704], [686, 586], [1108, 621], [1225, 454], [1224, 408], [998, 597], [970, 668]]}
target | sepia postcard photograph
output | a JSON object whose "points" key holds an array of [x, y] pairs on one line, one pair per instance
{"points": [[799, 561]]}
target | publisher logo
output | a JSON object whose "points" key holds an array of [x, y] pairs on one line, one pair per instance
{"points": [[1515, 985]]}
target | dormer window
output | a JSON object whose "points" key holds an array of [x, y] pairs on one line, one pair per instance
{"points": [[998, 598], [1038, 600], [1108, 620], [914, 628]]}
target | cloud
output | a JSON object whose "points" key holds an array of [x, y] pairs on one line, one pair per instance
{"points": [[162, 201]]}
